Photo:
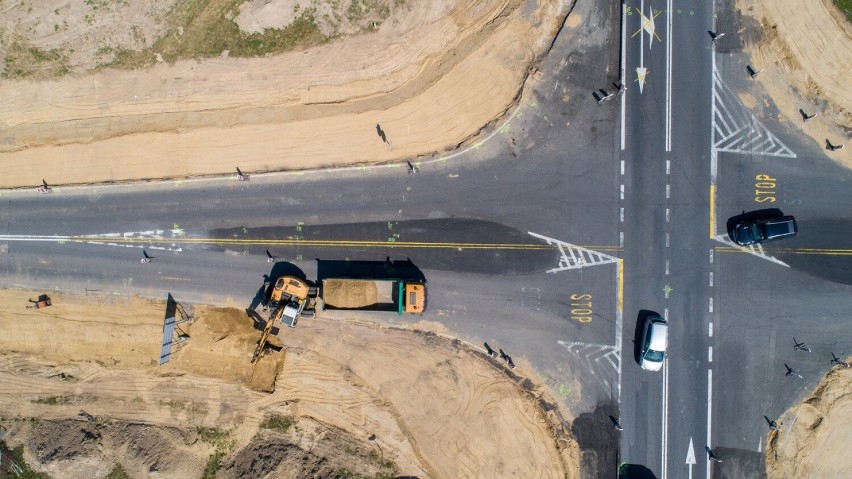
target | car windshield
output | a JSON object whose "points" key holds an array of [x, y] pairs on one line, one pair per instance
{"points": [[655, 356], [757, 232]]}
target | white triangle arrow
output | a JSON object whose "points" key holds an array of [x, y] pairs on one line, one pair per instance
{"points": [[641, 72], [690, 457], [690, 453]]}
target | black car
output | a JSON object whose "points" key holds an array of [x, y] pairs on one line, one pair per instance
{"points": [[761, 230]]}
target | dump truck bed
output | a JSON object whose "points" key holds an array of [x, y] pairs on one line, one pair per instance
{"points": [[359, 294]]}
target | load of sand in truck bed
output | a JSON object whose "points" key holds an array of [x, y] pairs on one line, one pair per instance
{"points": [[348, 294]]}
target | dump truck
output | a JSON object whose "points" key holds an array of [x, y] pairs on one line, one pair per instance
{"points": [[287, 303], [402, 296]]}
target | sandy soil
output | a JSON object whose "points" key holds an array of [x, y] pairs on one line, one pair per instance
{"points": [[436, 407], [805, 52], [814, 435], [432, 76]]}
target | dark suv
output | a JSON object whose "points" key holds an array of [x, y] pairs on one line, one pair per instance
{"points": [[761, 230]]}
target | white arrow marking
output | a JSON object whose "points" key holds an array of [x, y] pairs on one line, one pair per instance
{"points": [[641, 72], [690, 457]]}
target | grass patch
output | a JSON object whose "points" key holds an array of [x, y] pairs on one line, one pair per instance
{"points": [[17, 457], [217, 438], [213, 464], [204, 29], [24, 60], [52, 400], [117, 472], [222, 441], [278, 423], [347, 474], [213, 436], [845, 7]]}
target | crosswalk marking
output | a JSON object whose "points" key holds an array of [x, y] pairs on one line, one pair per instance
{"points": [[737, 130], [573, 256]]}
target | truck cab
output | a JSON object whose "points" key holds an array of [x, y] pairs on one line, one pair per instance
{"points": [[414, 297]]}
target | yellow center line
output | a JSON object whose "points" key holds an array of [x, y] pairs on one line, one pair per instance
{"points": [[712, 210], [326, 243], [814, 251], [620, 285]]}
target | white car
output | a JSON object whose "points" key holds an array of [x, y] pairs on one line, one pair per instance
{"points": [[655, 339]]}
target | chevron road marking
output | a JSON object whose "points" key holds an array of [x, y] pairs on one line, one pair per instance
{"points": [[573, 256], [756, 250], [737, 130], [598, 358]]}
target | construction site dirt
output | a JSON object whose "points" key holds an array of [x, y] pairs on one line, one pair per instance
{"points": [[82, 391]]}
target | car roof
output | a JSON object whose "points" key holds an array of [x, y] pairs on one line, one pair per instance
{"points": [[659, 332]]}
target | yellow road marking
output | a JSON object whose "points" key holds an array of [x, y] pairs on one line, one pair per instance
{"points": [[620, 285], [814, 251], [325, 243], [712, 211]]}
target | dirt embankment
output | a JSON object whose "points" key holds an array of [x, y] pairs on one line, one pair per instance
{"points": [[813, 436], [805, 51], [431, 76], [343, 392]]}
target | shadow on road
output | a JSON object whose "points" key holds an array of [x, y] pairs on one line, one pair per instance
{"points": [[387, 269], [598, 441], [738, 463], [635, 471], [820, 249]]}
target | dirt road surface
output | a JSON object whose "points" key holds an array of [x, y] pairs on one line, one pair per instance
{"points": [[434, 407], [805, 51]]}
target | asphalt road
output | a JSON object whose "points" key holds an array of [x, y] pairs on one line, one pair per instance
{"points": [[621, 231]]}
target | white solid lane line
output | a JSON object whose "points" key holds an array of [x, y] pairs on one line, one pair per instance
{"points": [[623, 78], [665, 438], [669, 76], [709, 412]]}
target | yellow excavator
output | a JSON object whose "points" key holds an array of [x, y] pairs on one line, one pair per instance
{"points": [[287, 302]]}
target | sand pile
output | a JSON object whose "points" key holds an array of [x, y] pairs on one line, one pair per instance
{"points": [[128, 332], [343, 294]]}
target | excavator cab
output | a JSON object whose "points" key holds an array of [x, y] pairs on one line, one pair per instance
{"points": [[287, 301]]}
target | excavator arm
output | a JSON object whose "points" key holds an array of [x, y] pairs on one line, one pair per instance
{"points": [[276, 315]]}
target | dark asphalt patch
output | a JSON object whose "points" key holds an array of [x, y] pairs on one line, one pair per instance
{"points": [[448, 244], [598, 441], [738, 463], [821, 249]]}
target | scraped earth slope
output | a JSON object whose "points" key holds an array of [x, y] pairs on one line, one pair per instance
{"points": [[432, 76], [814, 435]]}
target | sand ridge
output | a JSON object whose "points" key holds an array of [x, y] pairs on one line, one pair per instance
{"points": [[432, 77]]}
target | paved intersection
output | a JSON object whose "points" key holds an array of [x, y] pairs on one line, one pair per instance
{"points": [[616, 230]]}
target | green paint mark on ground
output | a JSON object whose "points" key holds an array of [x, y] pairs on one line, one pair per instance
{"points": [[506, 128], [564, 390]]}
